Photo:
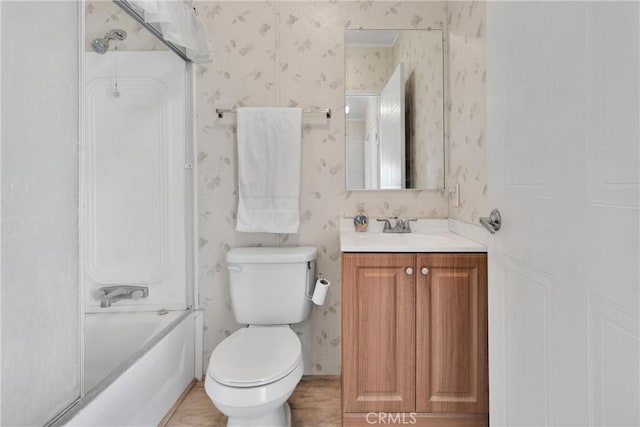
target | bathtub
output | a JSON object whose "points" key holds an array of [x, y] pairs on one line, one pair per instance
{"points": [[136, 366]]}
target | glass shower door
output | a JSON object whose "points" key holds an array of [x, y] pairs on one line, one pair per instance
{"points": [[41, 323]]}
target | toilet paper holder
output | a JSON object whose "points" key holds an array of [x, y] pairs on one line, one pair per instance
{"points": [[320, 290]]}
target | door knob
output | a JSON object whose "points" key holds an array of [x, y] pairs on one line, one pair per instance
{"points": [[493, 222], [409, 271], [424, 271]]}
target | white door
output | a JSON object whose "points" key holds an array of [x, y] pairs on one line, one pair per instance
{"points": [[563, 148], [371, 149], [371, 160], [392, 174]]}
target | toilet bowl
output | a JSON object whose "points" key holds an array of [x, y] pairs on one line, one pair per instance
{"points": [[252, 373]]}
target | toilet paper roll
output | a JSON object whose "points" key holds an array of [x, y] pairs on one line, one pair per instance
{"points": [[320, 291]]}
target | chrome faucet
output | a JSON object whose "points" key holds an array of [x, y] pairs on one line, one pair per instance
{"points": [[110, 294], [401, 225]]}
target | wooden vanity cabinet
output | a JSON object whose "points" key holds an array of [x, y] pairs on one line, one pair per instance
{"points": [[414, 338], [451, 336], [378, 333]]}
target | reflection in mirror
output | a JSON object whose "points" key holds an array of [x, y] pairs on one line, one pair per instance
{"points": [[394, 109]]}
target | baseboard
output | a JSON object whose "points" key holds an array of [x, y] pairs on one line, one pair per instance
{"points": [[320, 377], [176, 405]]}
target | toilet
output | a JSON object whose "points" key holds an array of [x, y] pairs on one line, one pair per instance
{"points": [[253, 372]]}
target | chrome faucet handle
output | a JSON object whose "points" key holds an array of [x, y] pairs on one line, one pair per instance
{"points": [[387, 224], [407, 224], [403, 225]]}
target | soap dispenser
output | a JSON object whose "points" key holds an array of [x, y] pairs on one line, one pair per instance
{"points": [[361, 221]]}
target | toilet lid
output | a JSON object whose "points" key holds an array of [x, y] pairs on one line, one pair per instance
{"points": [[255, 356]]}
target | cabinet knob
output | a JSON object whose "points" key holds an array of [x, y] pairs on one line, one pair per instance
{"points": [[424, 271], [409, 271]]}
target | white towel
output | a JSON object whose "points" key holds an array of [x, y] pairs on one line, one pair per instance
{"points": [[269, 158]]}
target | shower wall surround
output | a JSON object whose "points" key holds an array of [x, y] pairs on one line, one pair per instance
{"points": [[292, 54]]}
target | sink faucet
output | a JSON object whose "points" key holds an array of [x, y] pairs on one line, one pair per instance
{"points": [[110, 294], [401, 225]]}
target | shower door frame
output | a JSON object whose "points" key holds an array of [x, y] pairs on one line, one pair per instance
{"points": [[190, 178], [191, 219]]}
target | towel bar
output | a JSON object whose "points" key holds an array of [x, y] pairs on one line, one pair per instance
{"points": [[327, 111]]}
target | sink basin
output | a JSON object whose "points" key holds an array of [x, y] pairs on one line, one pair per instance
{"points": [[414, 238], [428, 235]]}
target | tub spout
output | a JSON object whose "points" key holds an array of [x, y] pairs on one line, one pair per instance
{"points": [[110, 294]]}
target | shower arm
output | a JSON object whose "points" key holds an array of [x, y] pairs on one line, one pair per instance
{"points": [[115, 35]]}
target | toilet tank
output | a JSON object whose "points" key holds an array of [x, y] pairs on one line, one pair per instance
{"points": [[271, 286]]}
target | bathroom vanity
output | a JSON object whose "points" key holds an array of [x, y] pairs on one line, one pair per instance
{"points": [[414, 327]]}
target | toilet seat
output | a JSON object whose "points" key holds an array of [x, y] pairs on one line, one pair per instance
{"points": [[255, 356]]}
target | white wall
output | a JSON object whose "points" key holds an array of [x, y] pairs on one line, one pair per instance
{"points": [[40, 293]]}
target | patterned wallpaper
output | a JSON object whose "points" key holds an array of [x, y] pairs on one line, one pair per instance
{"points": [[290, 54], [466, 108], [368, 68]]}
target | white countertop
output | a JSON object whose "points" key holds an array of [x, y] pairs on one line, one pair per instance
{"points": [[428, 235]]}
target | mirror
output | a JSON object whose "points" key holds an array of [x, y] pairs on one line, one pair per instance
{"points": [[394, 109]]}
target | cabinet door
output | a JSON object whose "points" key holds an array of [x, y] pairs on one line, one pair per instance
{"points": [[451, 334], [378, 332]]}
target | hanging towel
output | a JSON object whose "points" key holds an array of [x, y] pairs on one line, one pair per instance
{"points": [[269, 158]]}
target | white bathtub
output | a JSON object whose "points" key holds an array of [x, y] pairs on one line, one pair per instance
{"points": [[136, 367], [110, 339]]}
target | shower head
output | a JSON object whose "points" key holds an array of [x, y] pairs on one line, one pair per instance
{"points": [[101, 46]]}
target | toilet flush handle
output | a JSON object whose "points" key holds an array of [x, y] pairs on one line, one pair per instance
{"points": [[236, 268]]}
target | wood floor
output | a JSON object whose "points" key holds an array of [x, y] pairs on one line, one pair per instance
{"points": [[314, 403]]}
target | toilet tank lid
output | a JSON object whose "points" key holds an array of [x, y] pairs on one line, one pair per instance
{"points": [[271, 255]]}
